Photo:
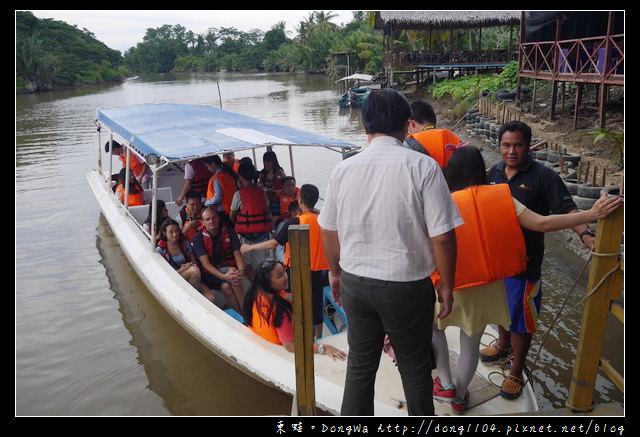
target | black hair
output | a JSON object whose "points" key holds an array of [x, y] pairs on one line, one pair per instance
{"points": [[134, 186], [309, 194], [385, 112], [115, 144], [465, 168], [276, 305], [515, 126], [192, 194], [270, 155], [423, 112], [247, 171]]}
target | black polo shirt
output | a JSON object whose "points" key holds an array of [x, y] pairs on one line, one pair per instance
{"points": [[541, 190]]}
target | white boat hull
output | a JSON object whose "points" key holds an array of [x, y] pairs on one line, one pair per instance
{"points": [[267, 362]]}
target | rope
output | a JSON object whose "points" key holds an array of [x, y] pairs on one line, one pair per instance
{"points": [[588, 295]]}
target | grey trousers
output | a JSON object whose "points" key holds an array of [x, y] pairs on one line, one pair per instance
{"points": [[404, 311]]}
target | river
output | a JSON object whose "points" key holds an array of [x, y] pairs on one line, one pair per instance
{"points": [[90, 340]]}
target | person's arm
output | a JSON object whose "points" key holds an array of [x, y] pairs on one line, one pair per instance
{"points": [[604, 206], [445, 251], [331, 246], [263, 245]]}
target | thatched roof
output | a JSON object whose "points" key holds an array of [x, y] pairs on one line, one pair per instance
{"points": [[446, 19]]}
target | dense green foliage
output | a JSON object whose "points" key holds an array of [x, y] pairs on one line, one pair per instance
{"points": [[51, 54], [174, 48]]}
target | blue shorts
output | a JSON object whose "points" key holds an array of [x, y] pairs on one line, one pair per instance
{"points": [[524, 298]]}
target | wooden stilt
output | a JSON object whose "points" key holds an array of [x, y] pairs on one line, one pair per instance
{"points": [[302, 318]]}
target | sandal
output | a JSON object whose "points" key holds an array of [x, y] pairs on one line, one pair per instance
{"points": [[511, 387], [494, 353]]}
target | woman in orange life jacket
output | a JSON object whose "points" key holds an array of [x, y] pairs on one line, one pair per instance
{"points": [[179, 254], [268, 311], [136, 192], [492, 226]]}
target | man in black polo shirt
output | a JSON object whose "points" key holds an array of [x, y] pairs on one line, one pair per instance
{"points": [[541, 190]]}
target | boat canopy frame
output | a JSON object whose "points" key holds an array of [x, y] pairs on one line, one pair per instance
{"points": [[161, 134]]}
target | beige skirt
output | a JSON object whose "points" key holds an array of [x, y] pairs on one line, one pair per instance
{"points": [[476, 307]]}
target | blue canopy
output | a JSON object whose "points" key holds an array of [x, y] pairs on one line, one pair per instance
{"points": [[178, 132]]}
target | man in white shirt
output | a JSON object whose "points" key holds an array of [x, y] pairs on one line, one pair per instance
{"points": [[387, 222]]}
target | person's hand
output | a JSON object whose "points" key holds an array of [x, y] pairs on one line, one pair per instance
{"points": [[234, 276], [334, 282], [334, 353], [445, 298], [245, 248], [605, 205]]}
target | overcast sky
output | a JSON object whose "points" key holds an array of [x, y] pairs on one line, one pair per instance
{"points": [[123, 29]]}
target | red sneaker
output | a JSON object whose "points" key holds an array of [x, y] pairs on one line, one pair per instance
{"points": [[443, 393], [459, 406]]}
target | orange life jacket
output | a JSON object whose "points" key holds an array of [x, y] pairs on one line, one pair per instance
{"points": [[317, 257], [254, 216], [285, 201], [184, 217], [135, 166], [259, 324], [490, 242], [435, 141], [135, 199], [201, 176], [162, 244], [228, 185]]}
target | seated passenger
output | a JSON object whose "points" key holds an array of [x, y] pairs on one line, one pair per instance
{"points": [[217, 247], [179, 254], [268, 311], [161, 213], [271, 177], [190, 216], [280, 205], [136, 192]]}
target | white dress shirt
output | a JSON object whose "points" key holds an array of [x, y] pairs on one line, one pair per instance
{"points": [[386, 203]]}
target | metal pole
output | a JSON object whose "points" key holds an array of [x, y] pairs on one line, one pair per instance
{"points": [[154, 202], [126, 182]]}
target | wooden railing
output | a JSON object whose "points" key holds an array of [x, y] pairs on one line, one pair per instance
{"points": [[452, 57], [587, 60], [604, 289]]}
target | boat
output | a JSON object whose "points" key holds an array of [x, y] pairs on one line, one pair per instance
{"points": [[355, 96], [167, 135]]}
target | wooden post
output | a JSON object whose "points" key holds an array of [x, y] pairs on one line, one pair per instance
{"points": [[302, 318], [596, 310]]}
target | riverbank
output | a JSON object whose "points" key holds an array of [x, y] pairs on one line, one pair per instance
{"points": [[558, 131]]}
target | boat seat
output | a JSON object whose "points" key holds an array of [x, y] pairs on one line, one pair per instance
{"points": [[141, 212], [164, 193], [327, 300]]}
